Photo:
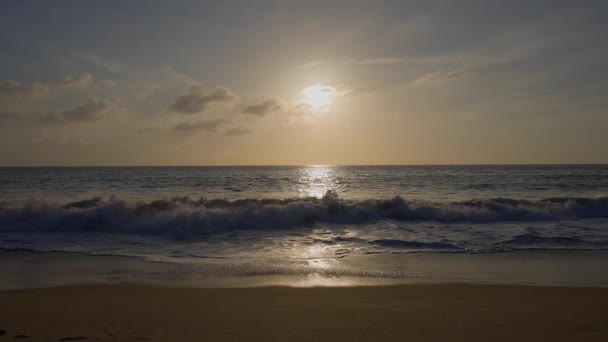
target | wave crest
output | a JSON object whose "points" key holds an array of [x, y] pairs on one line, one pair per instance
{"points": [[183, 215]]}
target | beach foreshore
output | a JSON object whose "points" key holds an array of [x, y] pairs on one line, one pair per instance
{"points": [[415, 312], [29, 270]]}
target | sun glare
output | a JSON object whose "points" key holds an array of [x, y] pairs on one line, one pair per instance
{"points": [[319, 97]]}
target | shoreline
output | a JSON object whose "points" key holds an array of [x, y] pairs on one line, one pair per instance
{"points": [[420, 312], [27, 270]]}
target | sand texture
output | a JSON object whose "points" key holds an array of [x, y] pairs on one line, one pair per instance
{"points": [[444, 312]]}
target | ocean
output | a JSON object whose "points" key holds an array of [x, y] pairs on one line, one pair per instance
{"points": [[325, 222]]}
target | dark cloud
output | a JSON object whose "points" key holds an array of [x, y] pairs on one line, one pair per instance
{"points": [[71, 82], [267, 106], [196, 101], [238, 131], [302, 106], [88, 111], [188, 128], [14, 91], [9, 116]]}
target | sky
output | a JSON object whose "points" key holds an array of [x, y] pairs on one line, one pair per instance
{"points": [[303, 82]]}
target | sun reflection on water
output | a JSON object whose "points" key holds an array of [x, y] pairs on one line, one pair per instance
{"points": [[320, 280], [316, 256], [321, 263], [316, 180]]}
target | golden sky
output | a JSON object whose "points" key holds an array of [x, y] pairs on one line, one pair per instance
{"points": [[291, 82]]}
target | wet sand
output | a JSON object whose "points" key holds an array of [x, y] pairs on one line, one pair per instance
{"points": [[437, 312]]}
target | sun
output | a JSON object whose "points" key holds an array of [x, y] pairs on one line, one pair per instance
{"points": [[319, 97]]}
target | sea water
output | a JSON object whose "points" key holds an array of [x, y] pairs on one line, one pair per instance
{"points": [[302, 220]]}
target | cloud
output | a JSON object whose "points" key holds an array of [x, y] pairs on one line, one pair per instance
{"points": [[267, 106], [108, 83], [298, 120], [238, 131], [170, 71], [188, 128], [104, 64], [303, 106], [439, 76], [147, 90], [311, 64], [382, 61], [14, 91], [71, 82], [9, 116], [87, 111], [337, 90], [196, 101]]}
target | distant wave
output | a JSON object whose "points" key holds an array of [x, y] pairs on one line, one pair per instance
{"points": [[533, 241], [188, 216], [415, 244]]}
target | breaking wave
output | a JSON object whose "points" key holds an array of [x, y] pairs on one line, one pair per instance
{"points": [[183, 215]]}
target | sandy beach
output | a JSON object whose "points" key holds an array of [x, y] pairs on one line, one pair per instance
{"points": [[440, 312]]}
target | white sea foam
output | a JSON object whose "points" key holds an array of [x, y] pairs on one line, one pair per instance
{"points": [[199, 228], [186, 216]]}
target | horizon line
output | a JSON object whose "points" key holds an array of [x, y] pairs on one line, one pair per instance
{"points": [[307, 165]]}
